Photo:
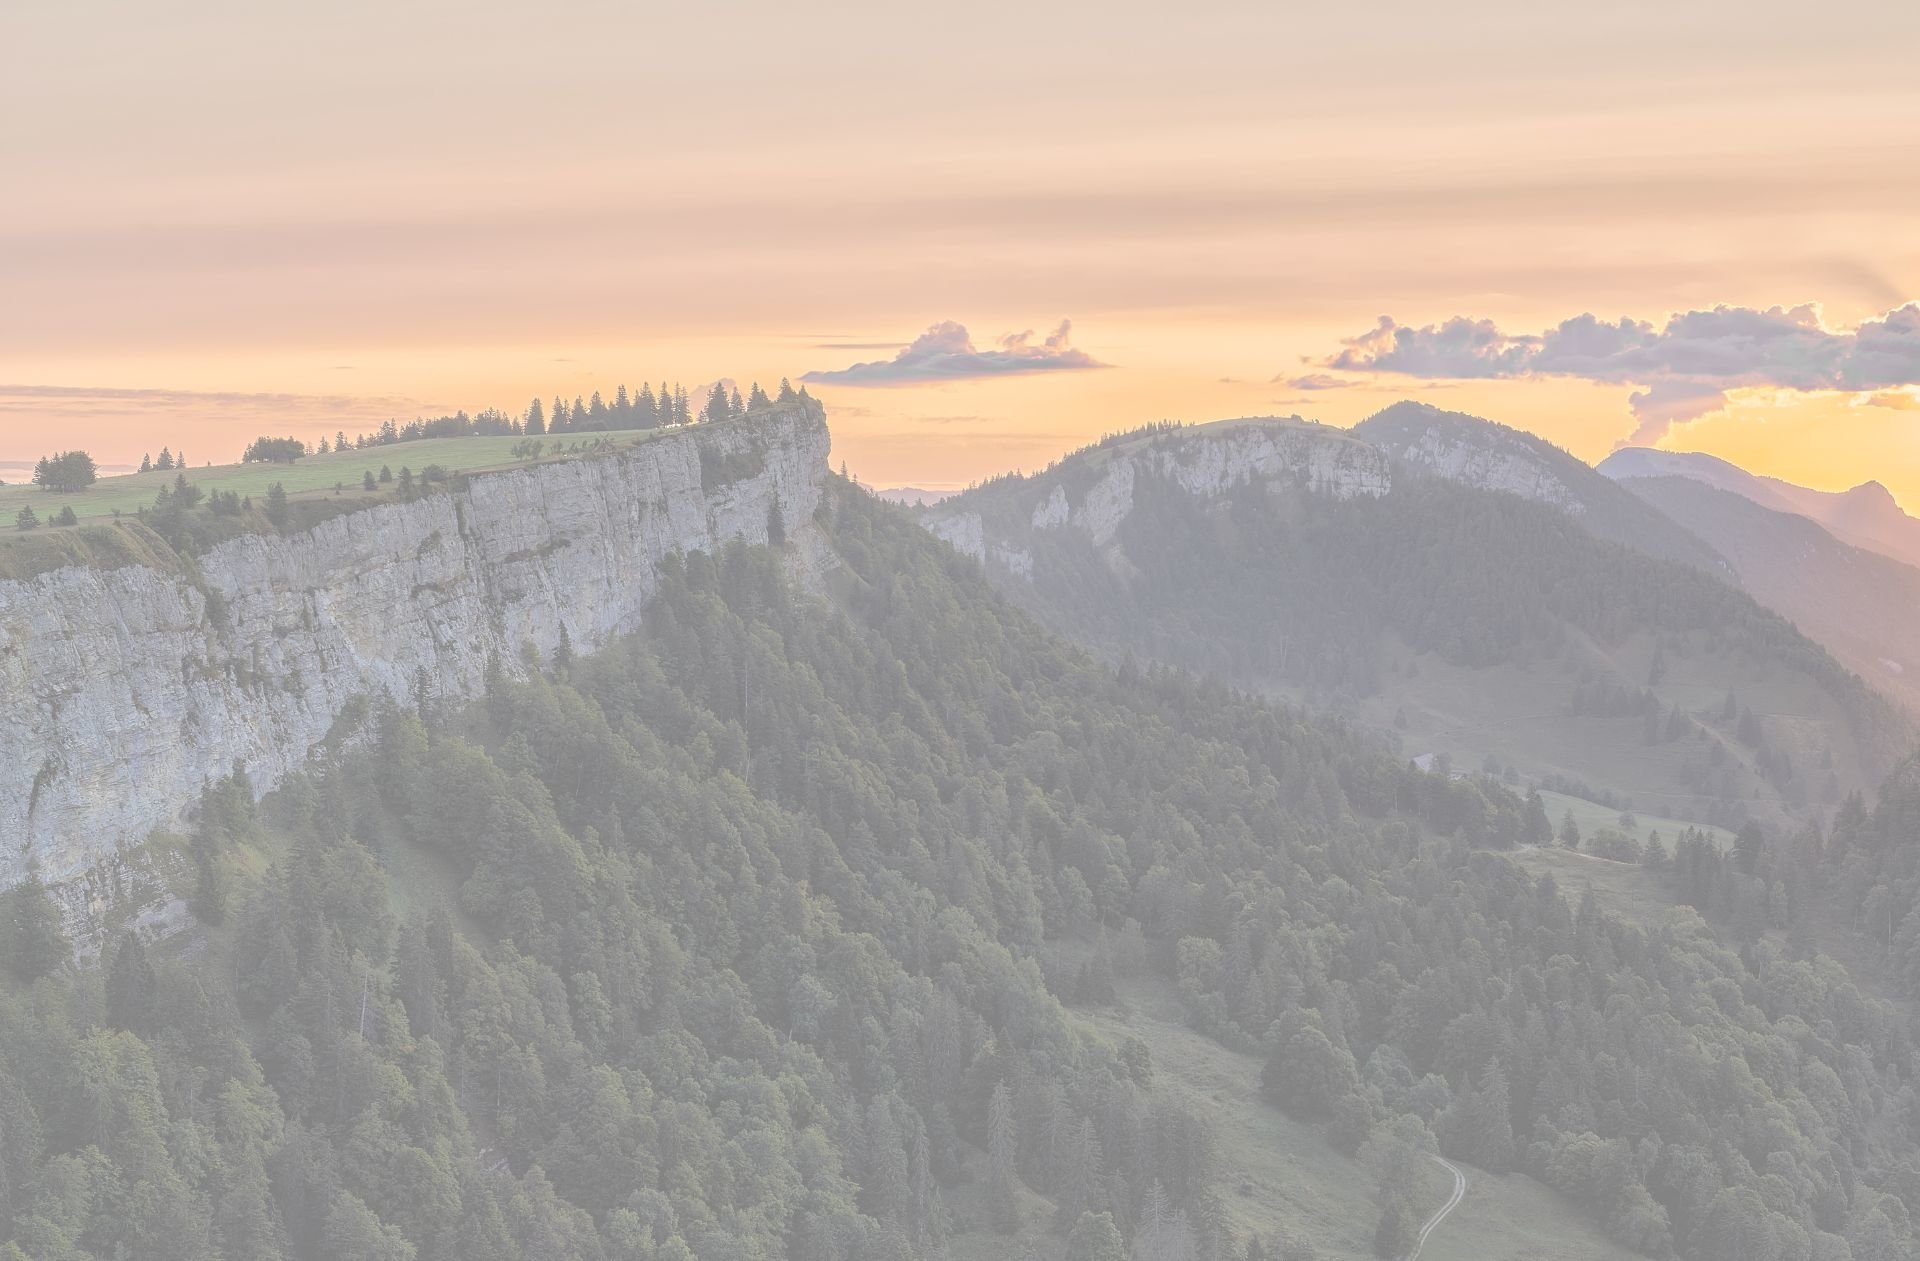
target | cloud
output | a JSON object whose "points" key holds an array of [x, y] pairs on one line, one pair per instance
{"points": [[1683, 369], [1313, 381], [1899, 400], [946, 353]]}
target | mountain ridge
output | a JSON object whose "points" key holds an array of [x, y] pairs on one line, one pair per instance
{"points": [[139, 684], [1857, 601], [1492, 456], [1867, 515], [1476, 620]]}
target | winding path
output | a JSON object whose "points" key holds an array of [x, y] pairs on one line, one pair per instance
{"points": [[1440, 1214]]}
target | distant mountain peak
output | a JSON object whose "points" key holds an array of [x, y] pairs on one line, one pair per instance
{"points": [[1868, 516]]}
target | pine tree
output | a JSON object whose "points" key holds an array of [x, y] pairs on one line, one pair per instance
{"points": [[1095, 1238], [1003, 1147], [131, 1002], [1539, 828], [1569, 831], [277, 511], [536, 422], [33, 937], [1394, 1235], [1655, 855], [1491, 1122], [209, 904]]}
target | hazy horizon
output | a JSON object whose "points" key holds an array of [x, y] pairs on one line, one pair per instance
{"points": [[229, 221]]}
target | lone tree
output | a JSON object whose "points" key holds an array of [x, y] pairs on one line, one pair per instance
{"points": [[277, 505], [66, 472], [33, 937], [26, 519], [274, 451]]}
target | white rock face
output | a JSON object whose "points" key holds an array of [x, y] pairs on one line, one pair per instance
{"points": [[123, 694], [1205, 460], [1053, 512], [965, 532], [1209, 460], [1508, 467]]}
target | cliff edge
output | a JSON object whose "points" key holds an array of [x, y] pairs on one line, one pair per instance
{"points": [[126, 690]]}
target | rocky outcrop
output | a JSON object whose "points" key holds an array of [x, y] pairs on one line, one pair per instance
{"points": [[1093, 492], [1425, 441], [1478, 453], [1514, 470], [127, 690]]}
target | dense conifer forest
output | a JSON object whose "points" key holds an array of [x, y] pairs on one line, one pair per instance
{"points": [[764, 933]]}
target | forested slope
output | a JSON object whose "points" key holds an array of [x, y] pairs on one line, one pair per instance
{"points": [[1478, 623], [759, 935]]}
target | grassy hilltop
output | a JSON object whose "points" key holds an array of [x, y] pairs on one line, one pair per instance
{"points": [[310, 476], [110, 529]]}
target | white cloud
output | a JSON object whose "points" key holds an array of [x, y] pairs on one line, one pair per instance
{"points": [[1684, 368], [945, 352]]}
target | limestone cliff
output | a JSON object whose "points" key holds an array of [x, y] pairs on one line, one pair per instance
{"points": [[127, 690], [1426, 441], [1092, 492]]}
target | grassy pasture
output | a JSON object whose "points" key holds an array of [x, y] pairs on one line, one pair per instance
{"points": [[314, 474]]}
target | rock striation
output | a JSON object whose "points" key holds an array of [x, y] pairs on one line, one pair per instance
{"points": [[127, 690]]}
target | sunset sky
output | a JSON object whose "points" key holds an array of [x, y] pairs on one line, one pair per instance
{"points": [[227, 219]]}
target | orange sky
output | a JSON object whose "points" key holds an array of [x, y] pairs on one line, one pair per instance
{"points": [[225, 219]]}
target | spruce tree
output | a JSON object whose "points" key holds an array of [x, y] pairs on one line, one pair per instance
{"points": [[33, 935], [131, 1002], [1003, 1148]]}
